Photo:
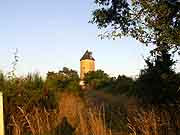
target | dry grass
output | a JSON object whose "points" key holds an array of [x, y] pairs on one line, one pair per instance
{"points": [[91, 120], [36, 122], [88, 121], [153, 121], [85, 120]]}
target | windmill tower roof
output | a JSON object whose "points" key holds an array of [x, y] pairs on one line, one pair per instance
{"points": [[87, 55]]}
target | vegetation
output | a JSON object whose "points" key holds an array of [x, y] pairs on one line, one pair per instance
{"points": [[158, 83], [156, 91], [56, 104], [33, 108], [65, 79], [152, 22], [97, 79], [147, 105]]}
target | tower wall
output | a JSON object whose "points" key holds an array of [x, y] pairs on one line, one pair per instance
{"points": [[86, 66]]}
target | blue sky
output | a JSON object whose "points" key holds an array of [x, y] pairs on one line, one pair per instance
{"points": [[50, 34]]}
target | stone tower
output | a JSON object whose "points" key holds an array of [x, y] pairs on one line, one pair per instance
{"points": [[87, 63]]}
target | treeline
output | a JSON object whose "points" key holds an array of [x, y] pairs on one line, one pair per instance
{"points": [[43, 92], [157, 83]]}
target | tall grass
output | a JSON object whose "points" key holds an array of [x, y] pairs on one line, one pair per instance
{"points": [[39, 121], [36, 122], [88, 121], [154, 120]]}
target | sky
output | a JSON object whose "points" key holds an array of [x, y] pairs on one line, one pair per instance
{"points": [[51, 34]]}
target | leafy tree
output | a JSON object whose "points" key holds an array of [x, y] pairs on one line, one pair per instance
{"points": [[158, 83], [65, 79], [97, 79], [123, 85], [154, 22]]}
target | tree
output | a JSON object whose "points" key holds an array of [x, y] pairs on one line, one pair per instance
{"points": [[64, 79], [123, 85], [97, 79], [154, 22], [158, 83]]}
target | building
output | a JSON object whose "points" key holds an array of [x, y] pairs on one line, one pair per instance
{"points": [[87, 63]]}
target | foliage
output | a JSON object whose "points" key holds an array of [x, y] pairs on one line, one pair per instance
{"points": [[97, 79], [123, 85], [158, 83], [100, 80], [65, 79], [154, 22]]}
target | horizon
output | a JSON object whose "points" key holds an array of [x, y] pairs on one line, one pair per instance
{"points": [[51, 35]]}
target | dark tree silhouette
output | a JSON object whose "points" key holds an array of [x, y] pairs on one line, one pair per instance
{"points": [[158, 83]]}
